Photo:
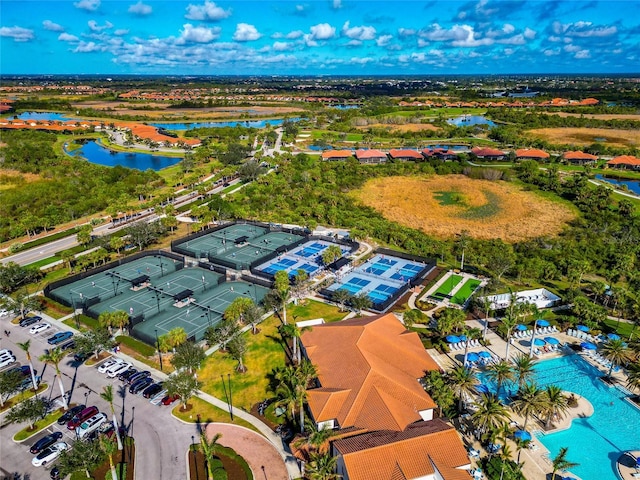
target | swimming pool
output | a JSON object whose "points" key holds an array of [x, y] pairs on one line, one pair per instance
{"points": [[595, 442]]}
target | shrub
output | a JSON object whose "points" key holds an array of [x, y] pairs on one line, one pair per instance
{"points": [[15, 247]]}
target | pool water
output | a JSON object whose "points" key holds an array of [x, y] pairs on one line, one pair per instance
{"points": [[595, 442]]}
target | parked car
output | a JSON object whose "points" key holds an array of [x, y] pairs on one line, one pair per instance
{"points": [[90, 424], [49, 454], [69, 414], [39, 328], [70, 345], [104, 366], [78, 418], [54, 474], [6, 351], [124, 376], [59, 337], [134, 378], [45, 442], [25, 322], [140, 385], [80, 357], [7, 360], [169, 399], [24, 370], [117, 369], [152, 390], [4, 312]]}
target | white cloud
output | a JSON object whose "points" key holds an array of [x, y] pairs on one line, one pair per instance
{"points": [[507, 29], [67, 37], [571, 48], [192, 34], [121, 31], [383, 40], [406, 32], [529, 34], [140, 9], [207, 12], [423, 43], [358, 33], [18, 34], [281, 46], [361, 60], [551, 52], [245, 33], [322, 31], [300, 8], [583, 29], [458, 35], [88, 47], [93, 25], [337, 4], [52, 27], [88, 5], [508, 51], [515, 40], [294, 35], [583, 54]]}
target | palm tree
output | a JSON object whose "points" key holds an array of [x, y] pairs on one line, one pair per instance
{"points": [[120, 319], [305, 372], [54, 357], [557, 403], [530, 400], [633, 375], [109, 447], [463, 382], [490, 415], [283, 289], [316, 440], [499, 373], [105, 319], [25, 346], [508, 324], [286, 390], [617, 352], [486, 306], [561, 463], [322, 467], [209, 449], [523, 367], [292, 331], [107, 395]]}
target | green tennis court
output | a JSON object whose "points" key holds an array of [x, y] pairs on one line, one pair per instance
{"points": [[447, 286], [465, 291]]}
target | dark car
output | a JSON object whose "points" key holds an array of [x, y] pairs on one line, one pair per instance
{"points": [[127, 374], [80, 417], [69, 414], [70, 345], [152, 390], [138, 376], [169, 399], [54, 474], [45, 442], [24, 370], [140, 385], [25, 322], [59, 338], [81, 356]]}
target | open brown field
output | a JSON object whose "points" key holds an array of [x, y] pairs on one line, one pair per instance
{"points": [[162, 110], [409, 127], [587, 136], [599, 116], [443, 206], [13, 178]]}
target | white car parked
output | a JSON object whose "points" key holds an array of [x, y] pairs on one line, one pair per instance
{"points": [[107, 364], [118, 368], [4, 312], [7, 360], [49, 454], [90, 425], [40, 327]]}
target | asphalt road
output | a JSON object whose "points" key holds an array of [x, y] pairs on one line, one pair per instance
{"points": [[161, 440]]}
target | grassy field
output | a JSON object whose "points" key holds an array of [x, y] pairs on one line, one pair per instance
{"points": [[443, 206], [465, 291], [447, 286], [208, 413], [599, 116], [311, 310], [587, 136]]}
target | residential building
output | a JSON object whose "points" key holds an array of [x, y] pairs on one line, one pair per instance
{"points": [[628, 162], [486, 153], [371, 156], [405, 155], [337, 155], [580, 158], [531, 154]]}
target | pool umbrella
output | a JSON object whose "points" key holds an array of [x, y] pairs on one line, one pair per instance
{"points": [[542, 323], [521, 327], [522, 435], [583, 328], [463, 338], [538, 342], [473, 357], [552, 340], [588, 346], [452, 339], [482, 388], [484, 354], [613, 336]]}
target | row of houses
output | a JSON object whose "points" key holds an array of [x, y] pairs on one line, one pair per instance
{"points": [[481, 153], [555, 102]]}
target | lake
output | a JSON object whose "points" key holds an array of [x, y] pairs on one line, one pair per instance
{"points": [[246, 123], [632, 185], [47, 116], [470, 120], [96, 153]]}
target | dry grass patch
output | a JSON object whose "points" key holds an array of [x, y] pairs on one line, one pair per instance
{"points": [[598, 116], [408, 127], [587, 136], [443, 206]]}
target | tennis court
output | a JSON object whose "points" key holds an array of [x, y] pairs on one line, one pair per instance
{"points": [[446, 287], [306, 257], [467, 289]]}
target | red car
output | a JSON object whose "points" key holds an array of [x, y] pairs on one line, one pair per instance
{"points": [[77, 419], [169, 399]]}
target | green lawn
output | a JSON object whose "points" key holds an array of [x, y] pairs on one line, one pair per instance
{"points": [[38, 426], [44, 261], [449, 284], [624, 329], [312, 309], [208, 413], [465, 291], [20, 397]]}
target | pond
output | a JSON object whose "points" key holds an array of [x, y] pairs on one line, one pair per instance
{"points": [[96, 153], [470, 120], [632, 185], [47, 116], [246, 123]]}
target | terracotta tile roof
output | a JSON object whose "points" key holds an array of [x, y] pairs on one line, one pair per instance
{"points": [[373, 382], [405, 153], [370, 154], [531, 153], [589, 101], [487, 152], [577, 155], [413, 453], [327, 154], [625, 160]]}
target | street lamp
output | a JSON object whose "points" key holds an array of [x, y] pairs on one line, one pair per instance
{"points": [[193, 453], [226, 396], [158, 347], [230, 398]]}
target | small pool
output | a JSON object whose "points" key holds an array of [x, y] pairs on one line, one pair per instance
{"points": [[632, 185]]}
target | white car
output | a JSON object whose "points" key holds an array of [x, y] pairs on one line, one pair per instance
{"points": [[40, 327], [7, 360], [108, 364], [4, 312], [49, 454], [118, 368], [90, 424]]}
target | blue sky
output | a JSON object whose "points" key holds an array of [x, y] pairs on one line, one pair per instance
{"points": [[332, 37]]}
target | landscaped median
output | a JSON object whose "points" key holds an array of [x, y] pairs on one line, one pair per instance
{"points": [[21, 397], [201, 411], [38, 426]]}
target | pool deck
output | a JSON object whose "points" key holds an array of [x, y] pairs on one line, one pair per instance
{"points": [[627, 465]]}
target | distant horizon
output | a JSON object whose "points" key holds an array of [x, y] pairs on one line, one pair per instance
{"points": [[318, 37]]}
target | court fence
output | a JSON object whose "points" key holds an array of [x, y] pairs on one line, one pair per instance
{"points": [[49, 288], [213, 268]]}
